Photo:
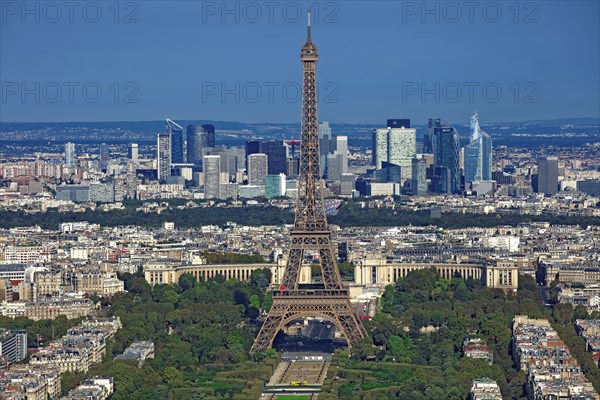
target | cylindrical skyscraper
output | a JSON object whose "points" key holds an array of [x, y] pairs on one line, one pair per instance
{"points": [[199, 138]]}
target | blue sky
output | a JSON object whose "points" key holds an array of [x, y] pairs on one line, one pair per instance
{"points": [[239, 61]]}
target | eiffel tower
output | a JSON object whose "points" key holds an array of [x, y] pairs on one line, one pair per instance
{"points": [[328, 300]]}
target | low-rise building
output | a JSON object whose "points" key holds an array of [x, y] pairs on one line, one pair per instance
{"points": [[139, 351], [477, 348], [587, 296], [590, 330], [551, 371], [82, 346], [48, 309], [95, 388], [31, 383], [485, 389]]}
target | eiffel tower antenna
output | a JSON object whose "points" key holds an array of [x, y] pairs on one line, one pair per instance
{"points": [[329, 299]]}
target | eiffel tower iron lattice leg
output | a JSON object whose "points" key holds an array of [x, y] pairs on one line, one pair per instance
{"points": [[335, 308], [329, 299]]}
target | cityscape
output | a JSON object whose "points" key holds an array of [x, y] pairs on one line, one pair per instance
{"points": [[445, 250]]}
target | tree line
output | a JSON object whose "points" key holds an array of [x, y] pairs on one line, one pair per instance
{"points": [[350, 214]]}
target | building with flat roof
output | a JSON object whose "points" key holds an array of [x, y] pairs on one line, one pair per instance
{"points": [[13, 347], [138, 351], [485, 389]]}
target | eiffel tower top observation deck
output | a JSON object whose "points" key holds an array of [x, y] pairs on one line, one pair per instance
{"points": [[310, 207]]}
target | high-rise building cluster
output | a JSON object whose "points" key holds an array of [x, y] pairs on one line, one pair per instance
{"points": [[439, 166], [177, 150], [334, 153], [186, 162]]}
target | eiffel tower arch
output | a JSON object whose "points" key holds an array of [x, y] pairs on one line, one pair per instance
{"points": [[328, 299]]}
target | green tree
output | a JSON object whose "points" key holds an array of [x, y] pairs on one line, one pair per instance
{"points": [[187, 281], [563, 313], [261, 278], [580, 312], [400, 348]]}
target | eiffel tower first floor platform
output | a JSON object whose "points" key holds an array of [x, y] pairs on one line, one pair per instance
{"points": [[329, 304]]}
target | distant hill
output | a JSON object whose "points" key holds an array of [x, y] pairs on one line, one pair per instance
{"points": [[556, 132]]}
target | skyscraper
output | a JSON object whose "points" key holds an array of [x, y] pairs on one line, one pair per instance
{"points": [[347, 184], [388, 173], [276, 150], [163, 156], [212, 176], [335, 166], [402, 147], [395, 145], [277, 153], [403, 123], [176, 133], [275, 185], [446, 153], [232, 159], [252, 147], [548, 175], [104, 156], [210, 131], [132, 154], [478, 154], [339, 144], [419, 176], [380, 146], [257, 169], [427, 139], [324, 144], [198, 138], [70, 154]]}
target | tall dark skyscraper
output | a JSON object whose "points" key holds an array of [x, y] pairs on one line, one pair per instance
{"points": [[418, 184], [427, 139], [253, 147], [104, 156], [446, 154], [398, 123], [548, 175], [324, 144], [176, 133], [276, 151], [199, 138], [210, 131]]}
